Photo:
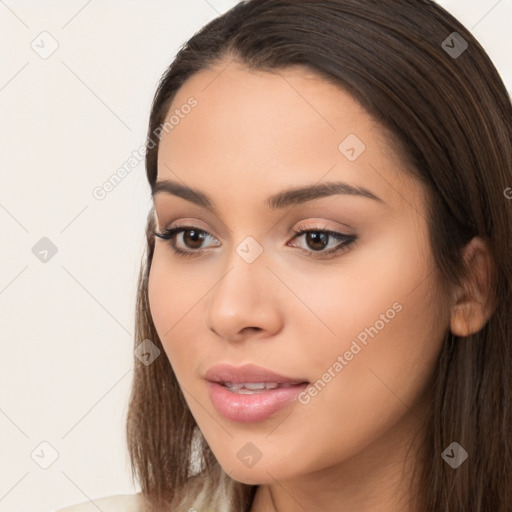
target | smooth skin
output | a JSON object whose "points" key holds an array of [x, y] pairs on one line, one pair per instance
{"points": [[251, 135]]}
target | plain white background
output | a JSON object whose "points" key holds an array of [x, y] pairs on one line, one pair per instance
{"points": [[68, 122]]}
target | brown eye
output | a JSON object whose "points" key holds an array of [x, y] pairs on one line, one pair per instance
{"points": [[193, 238], [317, 240]]}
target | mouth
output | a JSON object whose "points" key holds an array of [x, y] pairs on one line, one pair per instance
{"points": [[250, 393]]}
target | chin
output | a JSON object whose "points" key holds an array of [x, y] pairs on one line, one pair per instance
{"points": [[261, 472], [251, 476]]}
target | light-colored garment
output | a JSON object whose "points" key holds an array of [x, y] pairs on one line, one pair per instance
{"points": [[115, 503], [133, 503], [197, 499]]}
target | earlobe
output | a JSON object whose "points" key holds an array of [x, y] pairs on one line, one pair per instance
{"points": [[474, 302]]}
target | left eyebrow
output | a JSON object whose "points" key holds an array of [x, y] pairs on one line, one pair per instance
{"points": [[280, 200]]}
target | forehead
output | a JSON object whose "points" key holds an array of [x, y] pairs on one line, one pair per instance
{"points": [[258, 131]]}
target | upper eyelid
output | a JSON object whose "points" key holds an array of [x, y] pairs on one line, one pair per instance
{"points": [[299, 227], [225, 227], [193, 224]]}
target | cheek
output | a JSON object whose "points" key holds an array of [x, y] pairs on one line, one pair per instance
{"points": [[174, 297], [172, 291], [177, 293], [384, 286], [387, 322]]}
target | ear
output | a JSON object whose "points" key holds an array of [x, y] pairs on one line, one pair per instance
{"points": [[474, 302]]}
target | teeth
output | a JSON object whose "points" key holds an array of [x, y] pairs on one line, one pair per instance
{"points": [[251, 386]]}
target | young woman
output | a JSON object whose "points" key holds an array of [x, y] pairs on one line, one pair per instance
{"points": [[328, 275]]}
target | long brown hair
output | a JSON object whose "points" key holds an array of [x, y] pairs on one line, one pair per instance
{"points": [[450, 118]]}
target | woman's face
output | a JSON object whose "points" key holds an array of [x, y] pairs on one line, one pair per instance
{"points": [[363, 325]]}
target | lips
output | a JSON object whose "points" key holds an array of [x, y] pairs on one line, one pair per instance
{"points": [[249, 374], [251, 393]]}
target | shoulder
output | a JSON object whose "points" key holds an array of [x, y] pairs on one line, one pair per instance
{"points": [[116, 503]]}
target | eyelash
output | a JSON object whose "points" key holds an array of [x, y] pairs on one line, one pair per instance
{"points": [[170, 235]]}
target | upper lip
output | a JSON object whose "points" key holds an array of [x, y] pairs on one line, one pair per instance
{"points": [[247, 373]]}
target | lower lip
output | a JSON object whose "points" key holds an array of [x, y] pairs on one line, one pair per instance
{"points": [[248, 408]]}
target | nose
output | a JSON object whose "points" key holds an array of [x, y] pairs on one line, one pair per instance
{"points": [[245, 303]]}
